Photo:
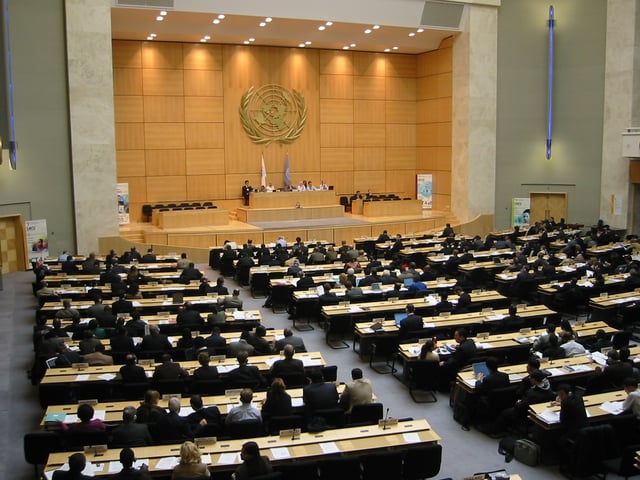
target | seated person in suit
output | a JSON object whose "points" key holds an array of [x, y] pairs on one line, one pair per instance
{"points": [[188, 316], [290, 339], [304, 282], [427, 352], [495, 379], [464, 300], [412, 323], [87, 423], [204, 420], [328, 297], [77, 463], [205, 371], [611, 376], [601, 341], [233, 301], [169, 370], [277, 402], [632, 402], [553, 350], [215, 339], [444, 305], [149, 411], [254, 465], [136, 327], [122, 305], [129, 472], [220, 289], [573, 415], [570, 346], [66, 312], [260, 344], [190, 273], [245, 375], [319, 395], [155, 341], [172, 428], [355, 294], [130, 372], [357, 392], [130, 433], [288, 365], [465, 350], [245, 411]]}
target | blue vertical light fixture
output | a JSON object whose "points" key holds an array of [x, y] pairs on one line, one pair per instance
{"points": [[552, 22], [7, 58]]}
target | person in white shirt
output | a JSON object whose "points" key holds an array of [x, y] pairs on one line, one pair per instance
{"points": [[323, 186], [301, 186], [632, 402], [270, 187], [282, 242], [311, 186], [570, 346], [245, 411]]}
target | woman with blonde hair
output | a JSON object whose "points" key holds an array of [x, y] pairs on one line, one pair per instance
{"points": [[190, 465]]}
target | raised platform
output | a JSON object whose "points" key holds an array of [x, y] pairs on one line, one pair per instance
{"points": [[255, 215], [291, 199], [384, 208], [191, 218]]}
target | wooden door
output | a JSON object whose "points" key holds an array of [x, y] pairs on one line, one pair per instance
{"points": [[12, 244], [544, 205]]}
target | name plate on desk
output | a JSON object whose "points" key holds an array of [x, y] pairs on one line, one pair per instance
{"points": [[94, 448], [88, 401], [218, 358], [146, 361], [205, 440], [80, 366], [232, 392], [389, 422], [168, 396], [293, 433]]}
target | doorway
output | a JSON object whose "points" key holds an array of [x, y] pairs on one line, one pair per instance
{"points": [[545, 205]]}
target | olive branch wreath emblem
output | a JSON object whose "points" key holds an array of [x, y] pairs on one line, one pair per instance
{"points": [[251, 123]]}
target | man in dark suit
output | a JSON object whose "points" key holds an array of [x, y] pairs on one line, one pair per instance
{"points": [[220, 289], [91, 265], [169, 370], [464, 351], [304, 282], [205, 371], [288, 365], [412, 323], [319, 395], [129, 472], [204, 421], [246, 191], [190, 273], [77, 463], [328, 297], [172, 428], [258, 341], [122, 305], [215, 339], [155, 341], [130, 433], [130, 372], [245, 375], [136, 326], [290, 339], [189, 316], [495, 379], [573, 415], [149, 257]]}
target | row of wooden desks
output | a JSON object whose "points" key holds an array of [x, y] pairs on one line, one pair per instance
{"points": [[604, 302], [309, 269], [152, 288], [172, 257], [225, 455], [88, 279], [143, 267], [224, 366]]}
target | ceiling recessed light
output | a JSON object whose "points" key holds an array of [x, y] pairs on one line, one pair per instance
{"points": [[268, 19], [376, 27], [216, 21], [395, 48], [420, 30], [252, 39], [367, 31], [159, 18], [412, 34], [328, 24], [207, 37], [301, 45], [321, 27], [307, 42], [263, 24], [149, 38], [387, 49], [353, 45], [220, 16], [346, 47], [163, 12], [246, 42], [154, 35], [202, 40]]}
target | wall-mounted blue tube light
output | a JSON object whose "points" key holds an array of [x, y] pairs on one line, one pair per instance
{"points": [[552, 22]]}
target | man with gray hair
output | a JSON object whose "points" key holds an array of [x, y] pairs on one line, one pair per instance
{"points": [[130, 433], [172, 428]]}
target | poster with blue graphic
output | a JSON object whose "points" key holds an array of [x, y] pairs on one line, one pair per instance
{"points": [[424, 185], [520, 211]]}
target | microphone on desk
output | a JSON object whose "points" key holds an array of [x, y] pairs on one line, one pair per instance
{"points": [[384, 422]]}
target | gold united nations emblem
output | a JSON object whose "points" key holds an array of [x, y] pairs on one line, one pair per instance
{"points": [[273, 114]]}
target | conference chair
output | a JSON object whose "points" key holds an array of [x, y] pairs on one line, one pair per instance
{"points": [[329, 373], [385, 347], [624, 465], [422, 462], [294, 380], [588, 451], [333, 417], [207, 387], [366, 414], [284, 422], [424, 376], [245, 429], [37, 447], [298, 470], [381, 466], [77, 440], [340, 467]]}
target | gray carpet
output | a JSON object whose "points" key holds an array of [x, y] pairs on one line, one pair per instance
{"points": [[318, 222]]}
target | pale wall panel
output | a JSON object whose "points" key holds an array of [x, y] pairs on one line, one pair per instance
{"points": [[400, 158], [433, 134], [401, 66], [165, 189], [369, 135], [369, 111], [130, 163], [369, 88], [403, 183], [164, 135], [437, 110], [434, 86], [204, 187], [342, 181], [336, 86], [369, 158], [336, 135], [401, 88], [435, 62], [335, 62], [336, 159], [128, 108], [369, 64], [126, 54], [203, 83], [336, 111], [204, 109], [163, 109], [433, 158], [137, 188], [349, 233], [129, 136], [198, 56], [374, 180], [162, 82], [442, 182], [399, 135], [400, 112], [205, 161], [165, 162], [127, 81], [164, 55], [204, 135]]}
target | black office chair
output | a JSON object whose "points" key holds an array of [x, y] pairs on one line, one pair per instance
{"points": [[100, 390], [422, 462], [299, 470], [588, 451], [620, 339], [37, 447], [259, 284], [56, 394], [366, 414], [294, 380], [147, 211], [624, 465], [131, 390], [424, 376], [387, 348], [339, 467], [245, 429], [169, 386], [344, 201], [329, 373], [77, 440], [284, 422], [333, 417], [335, 331], [207, 387], [381, 466]]}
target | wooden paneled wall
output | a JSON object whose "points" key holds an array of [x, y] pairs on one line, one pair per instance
{"points": [[373, 122], [433, 121]]}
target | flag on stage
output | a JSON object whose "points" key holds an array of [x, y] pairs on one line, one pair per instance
{"points": [[287, 173], [263, 174]]}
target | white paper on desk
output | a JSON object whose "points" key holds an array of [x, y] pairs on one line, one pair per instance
{"points": [[107, 376], [225, 368], [100, 414], [297, 402], [82, 378], [430, 300], [167, 463], [311, 362], [549, 416], [280, 453], [481, 345], [415, 350], [411, 437], [70, 418], [470, 381], [354, 309], [74, 348], [271, 361], [148, 373], [206, 458], [172, 339], [556, 371], [90, 469], [163, 321], [185, 411], [329, 447], [599, 357], [278, 337], [497, 316], [614, 408], [514, 377], [136, 304], [228, 458], [428, 325], [115, 466], [581, 368], [367, 330], [238, 315]]}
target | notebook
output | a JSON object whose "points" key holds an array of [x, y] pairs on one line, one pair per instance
{"points": [[480, 367]]}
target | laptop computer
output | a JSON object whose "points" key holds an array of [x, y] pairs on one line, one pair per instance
{"points": [[375, 286], [399, 317], [408, 282]]}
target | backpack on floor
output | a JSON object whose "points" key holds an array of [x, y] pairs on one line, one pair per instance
{"points": [[527, 452]]}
